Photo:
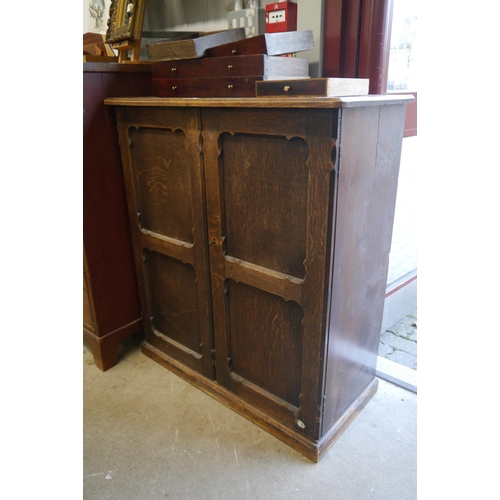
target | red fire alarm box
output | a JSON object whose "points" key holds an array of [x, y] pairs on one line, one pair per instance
{"points": [[281, 16]]}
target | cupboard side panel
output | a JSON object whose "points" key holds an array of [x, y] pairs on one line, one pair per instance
{"points": [[370, 140]]}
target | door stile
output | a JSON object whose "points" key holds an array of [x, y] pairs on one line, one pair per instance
{"points": [[199, 248], [215, 229], [316, 132], [321, 188], [146, 241]]}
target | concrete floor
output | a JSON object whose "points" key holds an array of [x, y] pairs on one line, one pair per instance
{"points": [[148, 434]]}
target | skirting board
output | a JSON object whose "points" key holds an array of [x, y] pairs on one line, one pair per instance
{"points": [[397, 374], [313, 450]]}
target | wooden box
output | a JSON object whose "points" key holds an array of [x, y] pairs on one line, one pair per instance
{"points": [[243, 86], [230, 66], [231, 76], [272, 44], [322, 87], [262, 253], [191, 48]]}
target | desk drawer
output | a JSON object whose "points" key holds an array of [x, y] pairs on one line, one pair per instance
{"points": [[232, 66], [207, 87]]}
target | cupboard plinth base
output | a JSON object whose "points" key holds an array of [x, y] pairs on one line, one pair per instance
{"points": [[311, 449], [105, 349]]}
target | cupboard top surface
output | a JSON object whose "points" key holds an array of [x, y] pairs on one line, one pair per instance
{"points": [[261, 102]]}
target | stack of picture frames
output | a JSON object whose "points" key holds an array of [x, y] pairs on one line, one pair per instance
{"points": [[124, 33]]}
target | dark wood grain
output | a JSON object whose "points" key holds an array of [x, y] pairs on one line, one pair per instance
{"points": [[231, 66], [284, 285], [270, 231], [323, 151], [266, 336], [267, 43], [286, 274], [163, 183], [243, 86], [161, 154], [191, 48], [272, 177], [362, 236]]}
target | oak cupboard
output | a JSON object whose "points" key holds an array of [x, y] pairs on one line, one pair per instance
{"points": [[261, 230]]}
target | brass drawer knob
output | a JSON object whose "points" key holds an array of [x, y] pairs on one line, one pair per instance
{"points": [[287, 88], [174, 69], [230, 66], [230, 86], [234, 51], [174, 87]]}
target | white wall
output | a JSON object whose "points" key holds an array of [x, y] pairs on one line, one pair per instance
{"points": [[89, 23]]}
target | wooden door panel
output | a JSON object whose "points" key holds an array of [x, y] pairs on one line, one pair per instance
{"points": [[161, 154], [265, 335], [268, 178], [162, 172], [174, 301], [271, 232]]}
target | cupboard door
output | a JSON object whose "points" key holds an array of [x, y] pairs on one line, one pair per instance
{"points": [[270, 191], [161, 154]]}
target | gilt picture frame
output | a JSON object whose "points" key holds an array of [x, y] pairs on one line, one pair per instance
{"points": [[125, 21]]}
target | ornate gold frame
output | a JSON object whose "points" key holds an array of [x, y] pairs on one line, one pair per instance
{"points": [[125, 20]]}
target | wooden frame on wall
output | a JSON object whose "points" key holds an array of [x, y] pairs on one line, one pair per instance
{"points": [[126, 18]]}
